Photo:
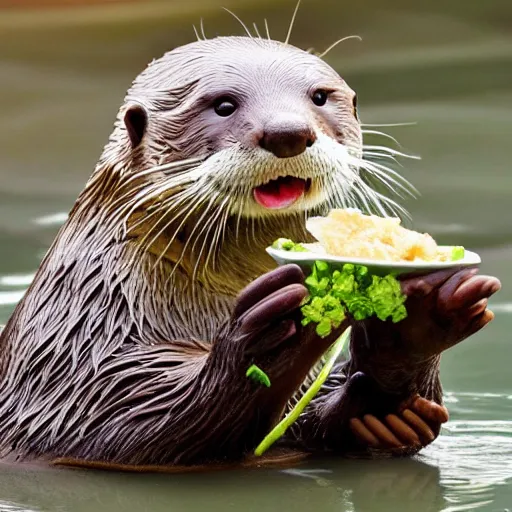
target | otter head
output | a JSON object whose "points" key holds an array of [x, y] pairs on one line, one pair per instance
{"points": [[234, 129], [279, 121]]}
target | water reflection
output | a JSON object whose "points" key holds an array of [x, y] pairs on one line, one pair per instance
{"points": [[399, 485], [467, 468]]}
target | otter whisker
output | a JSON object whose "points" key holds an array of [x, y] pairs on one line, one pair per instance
{"points": [[265, 221], [177, 168], [377, 197], [196, 33], [253, 230], [336, 43], [371, 192], [140, 222], [388, 181], [247, 31], [344, 195], [213, 199], [147, 193], [177, 179], [290, 28], [138, 196], [239, 216], [338, 198], [211, 224], [389, 125], [225, 223], [205, 232], [391, 151], [380, 205], [162, 208], [128, 209], [136, 204], [380, 134], [257, 31], [218, 237], [267, 29], [368, 200], [359, 191], [389, 175], [374, 155], [202, 30], [191, 210]]}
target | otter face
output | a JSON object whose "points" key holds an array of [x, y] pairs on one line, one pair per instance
{"points": [[277, 127]]}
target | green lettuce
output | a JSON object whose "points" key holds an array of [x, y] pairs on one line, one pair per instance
{"points": [[351, 290], [284, 244], [458, 253]]}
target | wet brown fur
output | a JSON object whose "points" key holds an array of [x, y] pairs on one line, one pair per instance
{"points": [[117, 353]]}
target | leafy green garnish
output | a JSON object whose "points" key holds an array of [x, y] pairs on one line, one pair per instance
{"points": [[258, 375], [333, 294], [284, 244], [351, 290], [458, 253]]}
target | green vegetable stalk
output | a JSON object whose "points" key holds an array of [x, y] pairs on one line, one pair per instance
{"points": [[278, 431]]}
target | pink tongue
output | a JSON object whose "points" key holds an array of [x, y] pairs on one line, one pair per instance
{"points": [[279, 193]]}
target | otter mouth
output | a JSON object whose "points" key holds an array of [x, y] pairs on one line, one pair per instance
{"points": [[281, 192]]}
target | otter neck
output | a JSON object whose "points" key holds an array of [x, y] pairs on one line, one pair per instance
{"points": [[225, 267]]}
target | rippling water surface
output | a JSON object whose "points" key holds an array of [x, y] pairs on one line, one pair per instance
{"points": [[445, 65]]}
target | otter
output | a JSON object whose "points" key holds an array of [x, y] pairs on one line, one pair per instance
{"points": [[130, 347]]}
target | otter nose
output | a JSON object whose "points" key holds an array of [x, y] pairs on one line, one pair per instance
{"points": [[287, 137]]}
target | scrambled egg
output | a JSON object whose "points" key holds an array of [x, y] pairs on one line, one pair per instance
{"points": [[349, 233]]}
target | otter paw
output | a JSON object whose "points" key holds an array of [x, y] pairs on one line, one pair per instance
{"points": [[415, 426], [447, 306], [266, 310], [266, 330]]}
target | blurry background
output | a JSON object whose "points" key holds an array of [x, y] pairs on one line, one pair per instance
{"points": [[444, 65]]}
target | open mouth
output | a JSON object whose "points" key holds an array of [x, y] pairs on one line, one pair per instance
{"points": [[281, 192]]}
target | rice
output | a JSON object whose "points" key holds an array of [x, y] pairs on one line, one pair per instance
{"points": [[350, 233]]}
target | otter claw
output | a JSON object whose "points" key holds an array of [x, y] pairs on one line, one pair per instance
{"points": [[479, 322], [417, 423], [421, 286], [266, 285], [381, 431], [477, 309], [402, 430], [271, 308], [362, 433], [463, 290], [430, 410]]}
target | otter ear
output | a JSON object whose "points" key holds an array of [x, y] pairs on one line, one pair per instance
{"points": [[136, 121]]}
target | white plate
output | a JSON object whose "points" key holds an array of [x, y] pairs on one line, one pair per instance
{"points": [[378, 267]]}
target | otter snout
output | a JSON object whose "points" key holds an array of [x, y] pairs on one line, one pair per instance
{"points": [[287, 136]]}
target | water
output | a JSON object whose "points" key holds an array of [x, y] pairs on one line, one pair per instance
{"points": [[445, 65]]}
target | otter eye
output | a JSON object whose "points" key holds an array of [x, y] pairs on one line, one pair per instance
{"points": [[319, 97], [224, 107]]}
